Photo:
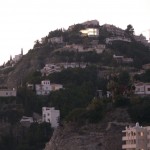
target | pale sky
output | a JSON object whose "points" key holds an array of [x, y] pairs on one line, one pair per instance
{"points": [[24, 21]]}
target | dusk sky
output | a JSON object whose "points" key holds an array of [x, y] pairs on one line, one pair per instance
{"points": [[24, 21]]}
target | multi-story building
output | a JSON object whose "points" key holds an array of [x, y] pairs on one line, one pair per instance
{"points": [[49, 114], [115, 31], [142, 89], [5, 92], [90, 32], [18, 57], [136, 138], [44, 88]]}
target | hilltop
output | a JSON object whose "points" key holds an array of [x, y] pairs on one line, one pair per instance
{"points": [[86, 42]]}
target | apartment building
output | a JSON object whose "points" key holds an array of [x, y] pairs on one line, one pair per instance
{"points": [[136, 138], [49, 114]]}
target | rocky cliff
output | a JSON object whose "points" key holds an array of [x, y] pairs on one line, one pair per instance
{"points": [[106, 135]]}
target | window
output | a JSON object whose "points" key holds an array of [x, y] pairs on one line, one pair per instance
{"points": [[148, 89], [141, 133]]}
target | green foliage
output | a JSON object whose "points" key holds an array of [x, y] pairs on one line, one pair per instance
{"points": [[129, 30], [92, 114], [140, 110], [55, 33], [77, 115], [33, 77], [36, 137], [134, 50], [95, 111], [145, 77], [124, 78], [75, 76], [121, 101]]}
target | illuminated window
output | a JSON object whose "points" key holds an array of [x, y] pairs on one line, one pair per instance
{"points": [[141, 135]]}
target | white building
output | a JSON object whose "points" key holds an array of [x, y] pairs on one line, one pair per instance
{"points": [[90, 32], [111, 39], [7, 92], [142, 89], [49, 114], [44, 88], [136, 138], [58, 40]]}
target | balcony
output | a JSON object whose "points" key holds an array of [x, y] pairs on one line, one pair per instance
{"points": [[125, 138], [128, 146]]}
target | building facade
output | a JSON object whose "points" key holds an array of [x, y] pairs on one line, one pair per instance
{"points": [[44, 88], [8, 92], [90, 32], [56, 87], [142, 88], [50, 68], [58, 40], [136, 138], [49, 114]]}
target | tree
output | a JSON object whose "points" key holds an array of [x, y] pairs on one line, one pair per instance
{"points": [[37, 43], [129, 30]]}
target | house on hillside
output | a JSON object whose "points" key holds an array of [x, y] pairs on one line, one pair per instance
{"points": [[26, 121], [58, 40], [136, 138], [115, 31], [50, 68], [5, 92], [146, 66], [49, 114], [44, 88], [122, 59], [141, 39], [142, 89], [90, 32], [56, 87], [118, 38]]}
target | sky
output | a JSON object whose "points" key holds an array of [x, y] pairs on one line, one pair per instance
{"points": [[24, 21]]}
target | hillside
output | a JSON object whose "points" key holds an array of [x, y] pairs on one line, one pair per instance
{"points": [[97, 69]]}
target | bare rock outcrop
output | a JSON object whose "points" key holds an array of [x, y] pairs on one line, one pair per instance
{"points": [[105, 135]]}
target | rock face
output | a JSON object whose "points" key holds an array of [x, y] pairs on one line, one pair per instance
{"points": [[106, 135]]}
